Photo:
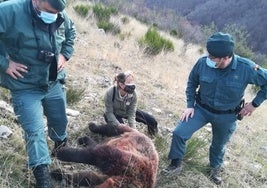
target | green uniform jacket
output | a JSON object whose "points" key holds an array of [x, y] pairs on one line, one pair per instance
{"points": [[223, 89], [124, 107], [23, 34]]}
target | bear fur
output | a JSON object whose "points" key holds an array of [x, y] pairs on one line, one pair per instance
{"points": [[128, 159]]}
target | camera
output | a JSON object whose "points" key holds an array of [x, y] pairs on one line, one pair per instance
{"points": [[239, 108], [45, 56]]}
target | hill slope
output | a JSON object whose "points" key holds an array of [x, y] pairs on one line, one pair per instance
{"points": [[161, 82], [249, 15]]}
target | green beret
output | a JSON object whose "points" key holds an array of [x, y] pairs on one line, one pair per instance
{"points": [[59, 5], [220, 44]]}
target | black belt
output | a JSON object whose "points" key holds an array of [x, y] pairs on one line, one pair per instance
{"points": [[212, 110]]}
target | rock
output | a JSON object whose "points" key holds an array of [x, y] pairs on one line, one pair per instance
{"points": [[6, 106], [5, 132], [157, 110], [73, 113], [101, 31], [264, 148], [208, 127]]}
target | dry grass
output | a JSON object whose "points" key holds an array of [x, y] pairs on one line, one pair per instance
{"points": [[161, 82]]}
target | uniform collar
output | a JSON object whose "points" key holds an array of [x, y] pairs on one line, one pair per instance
{"points": [[234, 61]]}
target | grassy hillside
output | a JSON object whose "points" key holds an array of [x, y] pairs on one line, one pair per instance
{"points": [[246, 14], [161, 82]]}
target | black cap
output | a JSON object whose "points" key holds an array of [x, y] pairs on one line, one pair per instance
{"points": [[59, 5], [220, 44]]}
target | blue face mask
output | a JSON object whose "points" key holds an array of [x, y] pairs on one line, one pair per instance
{"points": [[47, 17], [211, 63]]}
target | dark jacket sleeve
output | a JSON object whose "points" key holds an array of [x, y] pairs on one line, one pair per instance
{"points": [[192, 85]]}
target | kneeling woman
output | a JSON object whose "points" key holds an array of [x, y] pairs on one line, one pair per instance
{"points": [[121, 103]]}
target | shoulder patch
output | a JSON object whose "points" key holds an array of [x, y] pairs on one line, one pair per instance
{"points": [[256, 67]]}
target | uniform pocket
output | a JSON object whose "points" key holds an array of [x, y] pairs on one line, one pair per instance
{"points": [[234, 90], [207, 86]]}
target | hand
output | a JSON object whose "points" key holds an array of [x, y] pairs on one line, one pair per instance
{"points": [[61, 62], [15, 69], [247, 110], [188, 113]]}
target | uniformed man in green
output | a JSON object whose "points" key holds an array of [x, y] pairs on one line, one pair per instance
{"points": [[37, 37], [214, 92]]}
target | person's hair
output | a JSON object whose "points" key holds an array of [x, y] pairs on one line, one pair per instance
{"points": [[231, 54], [121, 77]]}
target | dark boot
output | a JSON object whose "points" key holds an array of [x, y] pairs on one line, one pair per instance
{"points": [[175, 168], [58, 145], [42, 176], [215, 175]]}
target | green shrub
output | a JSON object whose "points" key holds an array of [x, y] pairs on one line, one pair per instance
{"points": [[201, 50], [193, 146], [74, 95], [154, 25], [103, 13], [154, 43], [125, 20], [108, 27], [173, 33], [82, 10]]}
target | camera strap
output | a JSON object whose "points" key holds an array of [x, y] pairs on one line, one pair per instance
{"points": [[34, 22], [35, 36], [53, 63]]}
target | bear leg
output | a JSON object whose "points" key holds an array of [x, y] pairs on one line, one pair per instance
{"points": [[86, 141], [84, 155], [109, 130], [90, 179]]}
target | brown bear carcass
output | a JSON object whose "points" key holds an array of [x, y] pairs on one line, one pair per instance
{"points": [[128, 159]]}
